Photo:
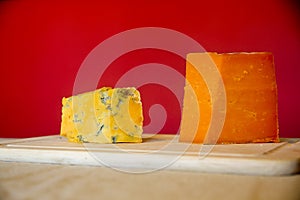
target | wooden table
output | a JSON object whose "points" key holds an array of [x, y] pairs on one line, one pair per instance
{"points": [[41, 180], [51, 181]]}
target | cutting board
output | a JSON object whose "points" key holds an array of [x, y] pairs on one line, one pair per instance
{"points": [[159, 152]]}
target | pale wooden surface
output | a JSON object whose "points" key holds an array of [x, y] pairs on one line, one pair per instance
{"points": [[60, 180], [47, 181], [159, 151]]}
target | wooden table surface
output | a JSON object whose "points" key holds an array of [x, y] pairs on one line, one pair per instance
{"points": [[50, 181], [28, 172]]}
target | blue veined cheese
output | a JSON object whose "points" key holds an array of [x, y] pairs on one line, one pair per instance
{"points": [[105, 115]]}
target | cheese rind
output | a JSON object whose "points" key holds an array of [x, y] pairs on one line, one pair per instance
{"points": [[105, 115], [251, 92]]}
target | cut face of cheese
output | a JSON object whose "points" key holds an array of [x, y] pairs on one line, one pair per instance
{"points": [[251, 99], [105, 115]]}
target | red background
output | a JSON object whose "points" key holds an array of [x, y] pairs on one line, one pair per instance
{"points": [[43, 43]]}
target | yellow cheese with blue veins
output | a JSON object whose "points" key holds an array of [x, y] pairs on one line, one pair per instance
{"points": [[106, 115]]}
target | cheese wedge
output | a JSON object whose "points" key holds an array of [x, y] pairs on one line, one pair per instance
{"points": [[105, 115], [250, 99]]}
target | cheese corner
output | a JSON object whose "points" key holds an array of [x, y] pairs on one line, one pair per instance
{"points": [[106, 115]]}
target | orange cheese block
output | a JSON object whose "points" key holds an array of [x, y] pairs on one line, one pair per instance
{"points": [[249, 98]]}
